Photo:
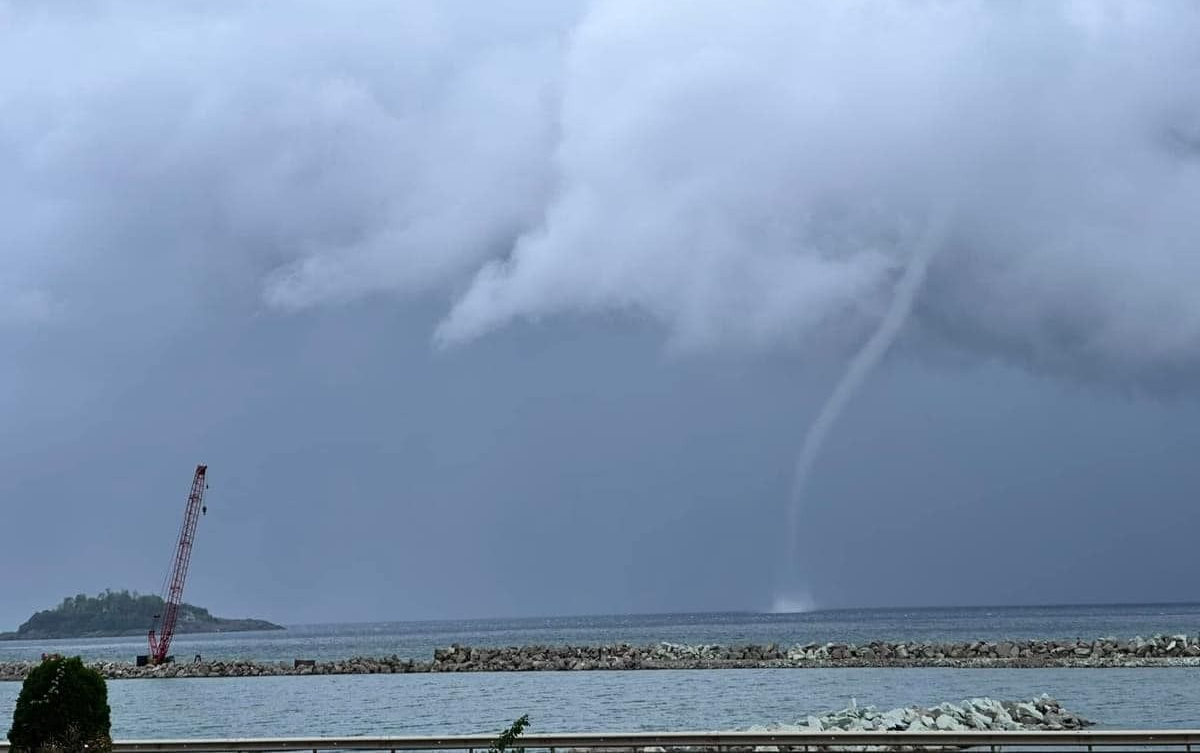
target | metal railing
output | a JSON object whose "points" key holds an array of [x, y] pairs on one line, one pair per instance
{"points": [[692, 741]]}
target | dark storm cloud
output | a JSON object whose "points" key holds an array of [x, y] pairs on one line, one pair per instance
{"points": [[742, 175], [269, 145], [211, 210], [777, 163]]}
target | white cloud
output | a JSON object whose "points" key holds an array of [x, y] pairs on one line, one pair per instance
{"points": [[750, 173], [747, 176]]}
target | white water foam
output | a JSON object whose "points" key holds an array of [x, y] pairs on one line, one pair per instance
{"points": [[793, 604]]}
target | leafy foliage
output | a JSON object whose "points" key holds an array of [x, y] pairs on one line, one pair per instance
{"points": [[510, 735], [63, 706], [117, 613], [109, 612]]}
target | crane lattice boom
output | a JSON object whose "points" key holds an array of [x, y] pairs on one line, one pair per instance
{"points": [[161, 644]]}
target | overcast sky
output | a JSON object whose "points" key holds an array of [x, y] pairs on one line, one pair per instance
{"points": [[488, 309]]}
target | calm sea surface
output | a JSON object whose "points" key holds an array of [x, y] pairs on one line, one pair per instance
{"points": [[418, 639], [607, 701]]}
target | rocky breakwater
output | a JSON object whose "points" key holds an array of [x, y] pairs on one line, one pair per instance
{"points": [[1041, 713], [236, 668], [1178, 650], [976, 714], [1159, 651]]}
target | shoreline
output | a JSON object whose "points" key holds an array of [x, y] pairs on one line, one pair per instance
{"points": [[1102, 653]]}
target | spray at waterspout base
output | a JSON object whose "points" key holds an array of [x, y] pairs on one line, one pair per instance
{"points": [[793, 603]]}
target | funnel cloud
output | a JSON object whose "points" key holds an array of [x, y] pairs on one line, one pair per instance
{"points": [[860, 367]]}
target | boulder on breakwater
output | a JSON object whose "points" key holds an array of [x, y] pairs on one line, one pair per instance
{"points": [[1158, 651]]}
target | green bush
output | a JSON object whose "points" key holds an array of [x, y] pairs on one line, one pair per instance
{"points": [[510, 735], [63, 706]]}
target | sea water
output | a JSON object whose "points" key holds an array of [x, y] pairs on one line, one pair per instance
{"points": [[417, 640], [629, 700], [486, 702]]}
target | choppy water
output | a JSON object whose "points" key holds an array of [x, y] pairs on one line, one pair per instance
{"points": [[611, 701], [636, 700]]}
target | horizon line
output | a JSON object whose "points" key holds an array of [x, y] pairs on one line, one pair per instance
{"points": [[758, 613]]}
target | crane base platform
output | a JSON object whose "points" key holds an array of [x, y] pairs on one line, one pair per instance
{"points": [[145, 660]]}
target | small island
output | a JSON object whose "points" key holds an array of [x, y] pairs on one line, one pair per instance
{"points": [[118, 613]]}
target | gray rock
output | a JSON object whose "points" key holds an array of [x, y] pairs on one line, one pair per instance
{"points": [[1028, 710], [978, 721], [948, 723], [894, 719]]}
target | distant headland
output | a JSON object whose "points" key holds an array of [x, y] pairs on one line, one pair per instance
{"points": [[117, 613]]}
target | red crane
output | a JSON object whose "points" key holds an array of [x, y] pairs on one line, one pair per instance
{"points": [[173, 597]]}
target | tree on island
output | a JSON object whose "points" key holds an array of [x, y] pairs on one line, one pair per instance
{"points": [[62, 708], [120, 613]]}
